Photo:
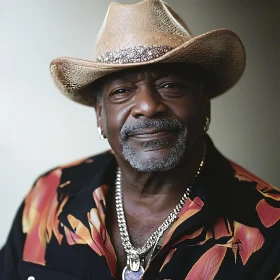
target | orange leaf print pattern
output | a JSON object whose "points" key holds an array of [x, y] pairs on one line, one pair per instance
{"points": [[39, 210], [99, 196], [244, 175], [208, 264], [268, 215], [191, 207], [220, 229], [53, 222], [82, 233], [168, 258], [96, 236], [268, 191], [263, 187], [189, 236], [72, 238], [250, 239], [98, 228]]}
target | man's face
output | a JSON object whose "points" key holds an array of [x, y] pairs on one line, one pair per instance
{"points": [[152, 116]]}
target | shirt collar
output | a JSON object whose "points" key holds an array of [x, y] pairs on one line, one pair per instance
{"points": [[216, 187], [88, 175]]}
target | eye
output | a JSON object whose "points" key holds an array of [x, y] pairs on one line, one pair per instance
{"points": [[170, 85], [119, 91], [173, 89], [121, 94]]}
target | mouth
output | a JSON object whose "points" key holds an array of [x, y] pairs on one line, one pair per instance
{"points": [[151, 133]]}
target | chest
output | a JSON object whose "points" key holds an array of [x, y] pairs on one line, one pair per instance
{"points": [[139, 229]]}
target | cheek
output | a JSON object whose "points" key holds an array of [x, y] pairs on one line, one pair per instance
{"points": [[113, 119], [188, 110]]}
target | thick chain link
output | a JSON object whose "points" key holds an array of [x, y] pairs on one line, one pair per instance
{"points": [[128, 247]]}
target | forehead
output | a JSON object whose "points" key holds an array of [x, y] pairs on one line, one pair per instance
{"points": [[157, 71]]}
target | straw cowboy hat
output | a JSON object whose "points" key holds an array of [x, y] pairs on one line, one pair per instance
{"points": [[146, 33]]}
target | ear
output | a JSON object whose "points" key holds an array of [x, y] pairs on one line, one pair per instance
{"points": [[98, 106], [208, 108]]}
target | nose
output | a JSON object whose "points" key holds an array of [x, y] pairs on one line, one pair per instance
{"points": [[148, 103]]}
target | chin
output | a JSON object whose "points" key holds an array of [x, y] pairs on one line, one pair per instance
{"points": [[157, 155], [155, 160]]}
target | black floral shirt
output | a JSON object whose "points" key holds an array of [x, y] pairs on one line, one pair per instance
{"points": [[228, 229]]}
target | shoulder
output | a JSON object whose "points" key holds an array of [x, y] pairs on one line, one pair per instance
{"points": [[55, 175], [250, 219], [264, 188], [49, 184], [268, 199], [47, 198]]}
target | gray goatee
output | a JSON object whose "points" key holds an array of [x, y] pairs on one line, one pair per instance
{"points": [[155, 163]]}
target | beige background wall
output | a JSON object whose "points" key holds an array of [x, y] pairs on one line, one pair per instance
{"points": [[41, 129]]}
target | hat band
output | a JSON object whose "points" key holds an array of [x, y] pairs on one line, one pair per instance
{"points": [[133, 54]]}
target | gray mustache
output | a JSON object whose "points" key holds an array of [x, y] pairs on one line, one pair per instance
{"points": [[173, 124]]}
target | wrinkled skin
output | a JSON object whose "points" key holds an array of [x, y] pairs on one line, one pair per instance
{"points": [[162, 91], [152, 92]]}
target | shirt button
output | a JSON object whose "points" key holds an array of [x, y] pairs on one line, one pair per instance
{"points": [[31, 278]]}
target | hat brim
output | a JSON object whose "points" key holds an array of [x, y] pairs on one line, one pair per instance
{"points": [[220, 52]]}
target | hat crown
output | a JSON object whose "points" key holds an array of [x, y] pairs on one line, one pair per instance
{"points": [[147, 23]]}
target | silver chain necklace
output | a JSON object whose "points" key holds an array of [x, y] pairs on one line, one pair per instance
{"points": [[134, 269]]}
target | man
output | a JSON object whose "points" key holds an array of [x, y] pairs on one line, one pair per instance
{"points": [[164, 203]]}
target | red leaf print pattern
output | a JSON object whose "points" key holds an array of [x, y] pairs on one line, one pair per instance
{"points": [[268, 215], [263, 187], [72, 238], [82, 232], [268, 191], [96, 236], [103, 242], [220, 229], [208, 264], [189, 236], [185, 237], [53, 222], [99, 233], [244, 175], [250, 239], [39, 211], [190, 208], [99, 196]]}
